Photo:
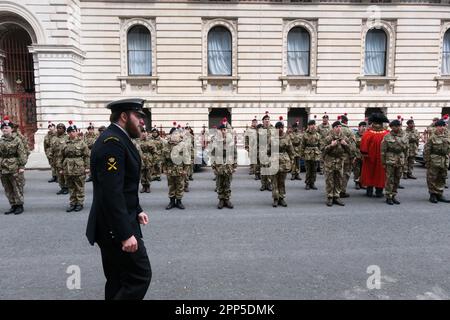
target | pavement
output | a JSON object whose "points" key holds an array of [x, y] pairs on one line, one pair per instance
{"points": [[304, 251]]}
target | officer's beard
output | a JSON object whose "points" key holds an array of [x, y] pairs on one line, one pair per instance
{"points": [[132, 129]]}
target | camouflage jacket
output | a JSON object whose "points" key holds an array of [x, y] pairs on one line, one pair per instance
{"points": [[90, 138], [393, 148], [57, 145], [285, 154], [148, 148], [13, 155], [174, 158], [296, 139], [74, 157], [348, 133], [24, 141], [412, 136], [263, 139], [250, 138], [437, 150], [310, 145], [48, 143], [324, 130], [224, 156], [333, 156], [159, 144]]}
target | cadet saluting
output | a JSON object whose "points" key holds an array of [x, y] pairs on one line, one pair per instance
{"points": [[115, 213]]}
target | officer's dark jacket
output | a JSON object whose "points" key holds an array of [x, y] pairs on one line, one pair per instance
{"points": [[115, 169]]}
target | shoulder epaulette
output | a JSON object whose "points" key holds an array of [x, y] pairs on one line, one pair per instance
{"points": [[111, 138]]}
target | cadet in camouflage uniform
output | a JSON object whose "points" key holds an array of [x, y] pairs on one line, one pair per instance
{"points": [[284, 158], [436, 156], [89, 138], [324, 129], [58, 143], [310, 152], [188, 140], [393, 148], [224, 163], [296, 138], [250, 138], [74, 163], [159, 144], [348, 161], [265, 131], [24, 139], [412, 137], [13, 158], [148, 149], [174, 165], [47, 149], [357, 161], [258, 163], [335, 149]]}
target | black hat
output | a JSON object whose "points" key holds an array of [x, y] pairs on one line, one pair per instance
{"points": [[61, 125], [344, 119], [362, 123], [266, 116], [279, 125], [295, 125], [7, 124], [91, 126], [172, 130], [127, 104], [440, 123], [336, 123], [395, 123], [410, 121], [325, 116], [71, 128], [222, 126], [154, 130], [311, 122], [50, 125], [378, 118]]}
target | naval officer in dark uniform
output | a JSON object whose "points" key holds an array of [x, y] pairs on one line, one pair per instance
{"points": [[115, 217]]}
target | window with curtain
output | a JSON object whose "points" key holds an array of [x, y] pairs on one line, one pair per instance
{"points": [[219, 52], [298, 52], [375, 55], [139, 52], [446, 54]]}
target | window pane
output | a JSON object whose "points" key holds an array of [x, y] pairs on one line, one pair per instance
{"points": [[375, 56], [139, 51], [446, 54], [298, 52], [219, 51]]}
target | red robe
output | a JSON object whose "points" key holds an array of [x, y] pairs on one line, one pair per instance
{"points": [[372, 174]]}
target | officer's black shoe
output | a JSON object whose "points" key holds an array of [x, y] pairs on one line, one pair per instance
{"points": [[78, 207], [369, 191], [379, 192], [53, 179], [282, 203], [344, 195], [400, 187], [229, 204], [433, 198], [329, 202], [89, 179], [389, 201], [275, 203], [221, 204], [441, 198], [171, 204], [11, 210], [19, 209], [307, 187], [338, 201], [71, 208], [395, 200], [313, 187], [269, 188], [179, 204]]}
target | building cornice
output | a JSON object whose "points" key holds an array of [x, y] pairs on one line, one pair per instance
{"points": [[286, 2]]}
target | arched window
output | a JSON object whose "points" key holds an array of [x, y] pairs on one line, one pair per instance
{"points": [[298, 52], [139, 51], [375, 53], [219, 51], [446, 54]]}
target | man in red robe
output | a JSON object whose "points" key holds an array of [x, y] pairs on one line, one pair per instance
{"points": [[373, 174]]}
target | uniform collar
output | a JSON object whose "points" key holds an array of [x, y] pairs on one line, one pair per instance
{"points": [[122, 130]]}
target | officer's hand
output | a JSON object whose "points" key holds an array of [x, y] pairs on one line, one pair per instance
{"points": [[21, 170], [130, 245], [143, 218]]}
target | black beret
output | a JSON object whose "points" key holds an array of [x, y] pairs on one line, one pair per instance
{"points": [[440, 123], [127, 104], [344, 119], [279, 125], [172, 130], [266, 116], [336, 123], [61, 125], [410, 121], [362, 123], [311, 122], [7, 124], [295, 125], [222, 126], [71, 128], [325, 117], [395, 123], [155, 130]]}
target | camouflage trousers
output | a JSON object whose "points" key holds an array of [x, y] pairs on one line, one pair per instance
{"points": [[252, 169], [409, 165], [347, 173], [278, 185], [311, 172], [146, 175], [50, 161], [13, 190], [61, 178], [334, 177], [223, 186], [436, 178], [176, 186], [357, 167], [75, 184], [295, 166], [21, 177], [188, 169], [265, 179], [393, 176], [257, 168], [156, 173]]}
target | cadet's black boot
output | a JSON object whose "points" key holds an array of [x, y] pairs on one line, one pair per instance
{"points": [[89, 179], [405, 176], [186, 189], [19, 209], [410, 176], [329, 202], [258, 177], [71, 208], [53, 179], [344, 195], [191, 178], [60, 191], [307, 187], [357, 185], [229, 204], [275, 203], [148, 189], [379, 192], [441, 198], [298, 177], [171, 204], [269, 188], [221, 204], [179, 204], [433, 198], [394, 199], [338, 201], [389, 201], [11, 210], [65, 190], [400, 187], [282, 203], [143, 189], [313, 187], [262, 188], [78, 207], [369, 191]]}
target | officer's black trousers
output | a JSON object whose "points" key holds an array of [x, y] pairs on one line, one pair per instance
{"points": [[128, 275]]}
